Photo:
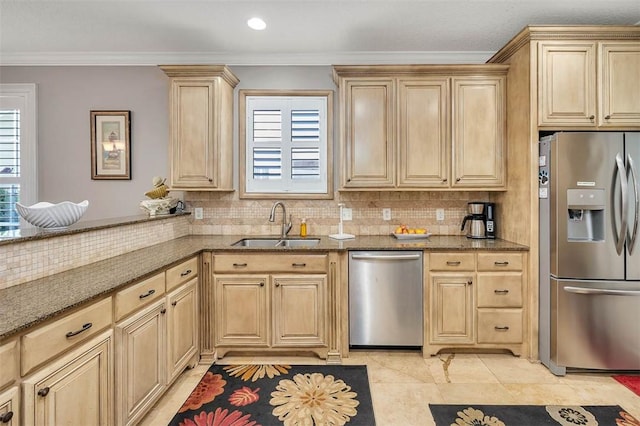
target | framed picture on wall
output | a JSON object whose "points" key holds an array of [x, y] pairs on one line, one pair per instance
{"points": [[110, 144]]}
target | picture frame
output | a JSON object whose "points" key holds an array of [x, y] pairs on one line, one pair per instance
{"points": [[111, 145]]}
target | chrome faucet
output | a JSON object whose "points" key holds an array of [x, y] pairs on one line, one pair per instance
{"points": [[286, 227]]}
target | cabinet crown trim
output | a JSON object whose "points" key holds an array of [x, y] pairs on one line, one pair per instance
{"points": [[201, 71], [416, 70], [570, 32]]}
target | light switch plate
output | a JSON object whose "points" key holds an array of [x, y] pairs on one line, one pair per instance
{"points": [[439, 215], [198, 213], [347, 214], [386, 214]]}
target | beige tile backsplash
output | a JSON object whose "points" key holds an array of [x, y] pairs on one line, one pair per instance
{"points": [[226, 214], [35, 259]]}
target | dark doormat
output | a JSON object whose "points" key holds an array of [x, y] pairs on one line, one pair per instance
{"points": [[531, 415], [272, 395]]}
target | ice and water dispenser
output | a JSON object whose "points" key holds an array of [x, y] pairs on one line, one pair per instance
{"points": [[585, 214]]}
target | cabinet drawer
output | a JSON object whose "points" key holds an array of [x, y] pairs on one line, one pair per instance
{"points": [[9, 361], [500, 290], [499, 261], [452, 262], [48, 341], [182, 273], [500, 326], [139, 295], [270, 263]]}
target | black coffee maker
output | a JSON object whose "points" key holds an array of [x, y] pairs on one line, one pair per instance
{"points": [[490, 220]]}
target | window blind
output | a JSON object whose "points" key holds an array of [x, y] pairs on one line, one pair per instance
{"points": [[9, 168]]}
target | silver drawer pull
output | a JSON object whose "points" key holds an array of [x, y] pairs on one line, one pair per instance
{"points": [[185, 273], [501, 291], [453, 263], [505, 328], [239, 265], [147, 294], [505, 263], [75, 333], [298, 265]]}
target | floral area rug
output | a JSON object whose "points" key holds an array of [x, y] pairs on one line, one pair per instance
{"points": [[270, 395], [531, 415], [631, 382]]}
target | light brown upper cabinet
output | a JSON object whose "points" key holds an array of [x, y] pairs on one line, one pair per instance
{"points": [[588, 84], [201, 127], [422, 127]]}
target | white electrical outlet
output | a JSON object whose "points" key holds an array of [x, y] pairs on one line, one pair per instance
{"points": [[198, 213], [386, 214], [347, 214], [439, 215]]}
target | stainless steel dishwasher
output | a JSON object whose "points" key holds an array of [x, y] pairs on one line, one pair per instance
{"points": [[385, 298]]}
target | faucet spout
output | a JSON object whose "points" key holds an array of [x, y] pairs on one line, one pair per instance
{"points": [[286, 227]]}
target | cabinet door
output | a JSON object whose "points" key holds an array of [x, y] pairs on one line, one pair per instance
{"points": [[567, 84], [140, 362], [75, 390], [193, 146], [451, 308], [299, 310], [619, 83], [423, 129], [182, 327], [241, 310], [10, 407], [478, 133], [368, 133]]}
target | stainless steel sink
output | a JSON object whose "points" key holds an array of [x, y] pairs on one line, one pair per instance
{"points": [[277, 242]]}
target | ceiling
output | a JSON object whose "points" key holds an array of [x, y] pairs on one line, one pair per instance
{"points": [[299, 32]]}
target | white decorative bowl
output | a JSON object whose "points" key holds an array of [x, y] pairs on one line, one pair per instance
{"points": [[53, 216]]}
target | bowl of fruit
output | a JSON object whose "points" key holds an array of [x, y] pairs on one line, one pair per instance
{"points": [[403, 232]]}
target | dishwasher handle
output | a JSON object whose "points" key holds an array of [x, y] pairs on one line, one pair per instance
{"points": [[385, 256]]}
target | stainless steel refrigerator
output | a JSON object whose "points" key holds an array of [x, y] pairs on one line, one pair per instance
{"points": [[589, 251]]}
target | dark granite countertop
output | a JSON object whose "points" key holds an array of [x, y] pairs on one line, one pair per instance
{"points": [[26, 305]]}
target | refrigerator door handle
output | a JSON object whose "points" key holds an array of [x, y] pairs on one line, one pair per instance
{"points": [[631, 239], [622, 233], [601, 291]]}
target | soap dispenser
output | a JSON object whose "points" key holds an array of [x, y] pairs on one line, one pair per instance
{"points": [[303, 228]]}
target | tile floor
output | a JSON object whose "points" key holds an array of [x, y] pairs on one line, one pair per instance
{"points": [[403, 383]]}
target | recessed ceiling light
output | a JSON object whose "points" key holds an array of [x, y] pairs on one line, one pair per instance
{"points": [[256, 24]]}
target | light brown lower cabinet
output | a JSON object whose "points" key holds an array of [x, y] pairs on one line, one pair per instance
{"points": [[153, 347], [76, 389], [10, 407], [476, 301], [286, 311], [182, 328], [140, 362]]}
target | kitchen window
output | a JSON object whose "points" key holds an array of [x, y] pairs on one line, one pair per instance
{"points": [[17, 152], [286, 144]]}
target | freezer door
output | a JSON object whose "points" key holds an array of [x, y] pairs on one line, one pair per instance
{"points": [[594, 324], [587, 174], [632, 150]]}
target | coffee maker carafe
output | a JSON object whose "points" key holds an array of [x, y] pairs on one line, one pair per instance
{"points": [[476, 219]]}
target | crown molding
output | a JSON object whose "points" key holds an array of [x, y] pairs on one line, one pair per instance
{"points": [[292, 59]]}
